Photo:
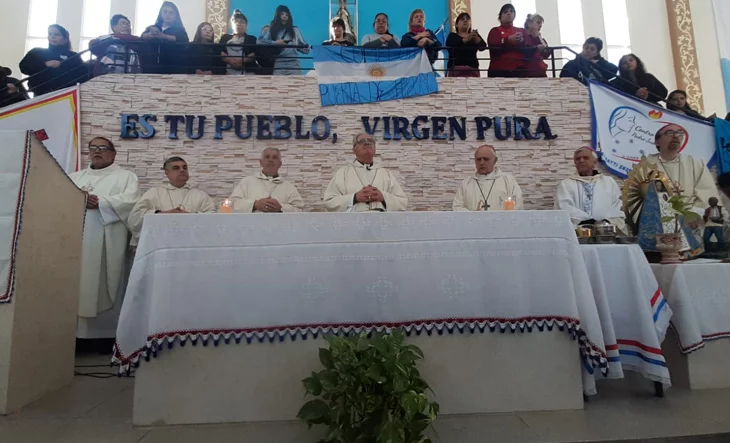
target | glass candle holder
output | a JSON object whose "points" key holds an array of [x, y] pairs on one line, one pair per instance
{"points": [[226, 207], [509, 202]]}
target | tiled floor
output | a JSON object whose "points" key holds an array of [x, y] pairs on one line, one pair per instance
{"points": [[100, 411]]}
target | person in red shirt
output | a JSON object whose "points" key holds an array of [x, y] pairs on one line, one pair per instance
{"points": [[505, 46], [535, 47]]}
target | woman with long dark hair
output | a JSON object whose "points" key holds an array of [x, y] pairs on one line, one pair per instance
{"points": [[677, 102], [282, 33], [419, 36], [204, 55], [634, 80], [505, 46], [463, 46], [239, 52], [55, 67], [165, 53]]}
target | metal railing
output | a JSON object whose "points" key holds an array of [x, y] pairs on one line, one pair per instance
{"points": [[186, 58]]}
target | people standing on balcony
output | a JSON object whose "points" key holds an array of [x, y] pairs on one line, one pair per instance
{"points": [[55, 67], [166, 53], [505, 46], [463, 46], [677, 102], [338, 35], [589, 65], [634, 80], [282, 33], [535, 50], [118, 52], [419, 36], [204, 56], [11, 89], [239, 53], [382, 37]]}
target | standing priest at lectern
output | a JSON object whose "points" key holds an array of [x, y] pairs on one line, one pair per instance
{"points": [[489, 187], [363, 186], [111, 193]]}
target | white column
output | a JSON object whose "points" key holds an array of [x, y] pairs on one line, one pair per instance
{"points": [[551, 30], [708, 56], [14, 23], [650, 41], [593, 23], [484, 18], [70, 13], [192, 13]]}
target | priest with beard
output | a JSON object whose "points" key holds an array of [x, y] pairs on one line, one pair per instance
{"points": [[174, 197], [590, 196], [486, 190], [111, 193], [363, 185], [266, 191], [687, 175]]}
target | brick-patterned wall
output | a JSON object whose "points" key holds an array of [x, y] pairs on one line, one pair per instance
{"points": [[429, 170]]}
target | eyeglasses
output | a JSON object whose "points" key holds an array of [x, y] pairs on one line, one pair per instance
{"points": [[100, 148], [366, 142], [673, 133]]}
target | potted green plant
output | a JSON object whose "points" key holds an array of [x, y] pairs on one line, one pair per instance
{"points": [[369, 391], [670, 243]]}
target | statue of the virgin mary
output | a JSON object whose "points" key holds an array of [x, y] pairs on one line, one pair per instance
{"points": [[344, 14], [647, 196]]}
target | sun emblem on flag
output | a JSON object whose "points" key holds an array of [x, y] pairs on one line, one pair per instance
{"points": [[376, 71]]}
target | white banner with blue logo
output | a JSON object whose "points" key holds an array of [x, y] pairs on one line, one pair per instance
{"points": [[624, 129], [722, 23], [354, 75], [722, 135]]}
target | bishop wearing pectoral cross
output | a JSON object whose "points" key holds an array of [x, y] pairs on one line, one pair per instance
{"points": [[489, 187]]}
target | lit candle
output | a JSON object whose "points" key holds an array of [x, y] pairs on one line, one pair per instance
{"points": [[509, 203], [226, 207]]}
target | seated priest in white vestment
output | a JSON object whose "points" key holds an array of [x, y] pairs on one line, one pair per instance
{"points": [[174, 197], [590, 196], [687, 175], [489, 187], [266, 191], [111, 194], [363, 186]]}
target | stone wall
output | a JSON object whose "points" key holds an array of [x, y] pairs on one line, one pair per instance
{"points": [[430, 170]]}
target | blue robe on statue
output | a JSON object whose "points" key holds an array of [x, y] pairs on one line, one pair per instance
{"points": [[656, 206]]}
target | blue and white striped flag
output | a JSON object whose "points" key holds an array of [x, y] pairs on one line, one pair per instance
{"points": [[353, 75]]}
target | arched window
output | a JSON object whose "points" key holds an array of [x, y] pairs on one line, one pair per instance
{"points": [[523, 7], [146, 14], [616, 20], [95, 22], [43, 13]]}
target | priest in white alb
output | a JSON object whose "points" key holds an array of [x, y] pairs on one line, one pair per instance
{"points": [[111, 194], [174, 197], [590, 196], [363, 185], [489, 188], [688, 176], [266, 191]]}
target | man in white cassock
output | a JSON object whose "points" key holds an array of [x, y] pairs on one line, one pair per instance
{"points": [[487, 189], [174, 197], [590, 196], [266, 191], [688, 176], [111, 193], [363, 186]]}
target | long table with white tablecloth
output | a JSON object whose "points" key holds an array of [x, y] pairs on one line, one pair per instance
{"points": [[252, 279]]}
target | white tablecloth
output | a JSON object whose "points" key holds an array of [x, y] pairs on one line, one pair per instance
{"points": [[213, 277], [699, 294], [633, 312]]}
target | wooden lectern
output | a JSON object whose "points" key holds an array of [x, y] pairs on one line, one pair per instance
{"points": [[41, 225]]}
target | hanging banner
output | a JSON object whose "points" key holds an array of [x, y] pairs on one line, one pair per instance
{"points": [[722, 24], [722, 134], [55, 120], [624, 129]]}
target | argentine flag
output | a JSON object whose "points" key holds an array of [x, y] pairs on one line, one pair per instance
{"points": [[353, 75]]}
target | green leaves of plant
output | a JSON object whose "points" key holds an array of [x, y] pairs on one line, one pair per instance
{"points": [[370, 391]]}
